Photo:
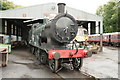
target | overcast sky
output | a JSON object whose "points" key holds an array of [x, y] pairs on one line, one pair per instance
{"points": [[85, 5]]}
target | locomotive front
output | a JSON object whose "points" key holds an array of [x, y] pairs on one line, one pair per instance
{"points": [[63, 26]]}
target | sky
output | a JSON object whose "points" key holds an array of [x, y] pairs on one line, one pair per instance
{"points": [[89, 6]]}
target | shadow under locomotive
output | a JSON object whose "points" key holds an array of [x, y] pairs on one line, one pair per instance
{"points": [[52, 42]]}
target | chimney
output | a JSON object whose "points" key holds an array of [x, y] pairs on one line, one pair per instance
{"points": [[61, 7]]}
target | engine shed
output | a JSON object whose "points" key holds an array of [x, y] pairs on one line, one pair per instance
{"points": [[13, 20]]}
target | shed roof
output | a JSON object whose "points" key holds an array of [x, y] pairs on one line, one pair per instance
{"points": [[49, 10]]}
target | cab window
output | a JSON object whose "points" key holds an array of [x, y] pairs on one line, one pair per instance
{"points": [[85, 32]]}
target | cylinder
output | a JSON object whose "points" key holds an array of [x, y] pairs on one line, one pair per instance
{"points": [[61, 7]]}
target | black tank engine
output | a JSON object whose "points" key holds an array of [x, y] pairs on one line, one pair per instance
{"points": [[49, 38]]}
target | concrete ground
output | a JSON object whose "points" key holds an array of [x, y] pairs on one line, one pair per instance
{"points": [[102, 65], [23, 64]]}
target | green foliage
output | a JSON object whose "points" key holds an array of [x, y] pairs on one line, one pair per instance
{"points": [[4, 5], [110, 13]]}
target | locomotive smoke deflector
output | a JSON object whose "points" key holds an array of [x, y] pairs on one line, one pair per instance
{"points": [[61, 7]]}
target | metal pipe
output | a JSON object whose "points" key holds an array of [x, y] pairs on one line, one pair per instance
{"points": [[61, 7]]}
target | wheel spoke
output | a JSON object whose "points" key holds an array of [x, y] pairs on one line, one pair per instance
{"points": [[77, 63], [43, 57], [53, 64]]}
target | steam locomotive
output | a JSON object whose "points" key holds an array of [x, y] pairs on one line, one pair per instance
{"points": [[52, 42]]}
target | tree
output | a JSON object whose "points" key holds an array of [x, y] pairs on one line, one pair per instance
{"points": [[4, 5], [110, 13]]}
